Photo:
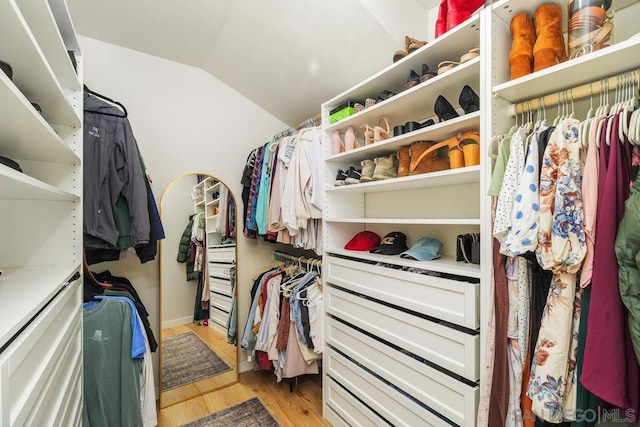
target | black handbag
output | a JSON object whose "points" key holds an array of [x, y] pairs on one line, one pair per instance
{"points": [[468, 248]]}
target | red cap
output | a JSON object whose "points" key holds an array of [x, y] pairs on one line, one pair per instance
{"points": [[363, 241]]}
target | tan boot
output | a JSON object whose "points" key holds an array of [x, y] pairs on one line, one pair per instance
{"points": [[549, 48], [521, 55], [403, 161]]}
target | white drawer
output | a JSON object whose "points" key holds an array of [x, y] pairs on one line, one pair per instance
{"points": [[342, 409], [225, 254], [444, 394], [38, 366], [450, 300], [220, 301], [218, 315], [391, 404], [222, 271], [220, 286], [447, 347]]}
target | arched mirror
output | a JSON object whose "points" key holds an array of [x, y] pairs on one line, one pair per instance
{"points": [[198, 352]]}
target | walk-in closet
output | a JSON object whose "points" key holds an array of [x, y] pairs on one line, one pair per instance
{"points": [[337, 213]]}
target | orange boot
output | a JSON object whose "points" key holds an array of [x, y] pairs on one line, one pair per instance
{"points": [[549, 48], [521, 55]]}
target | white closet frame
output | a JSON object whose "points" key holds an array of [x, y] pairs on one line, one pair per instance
{"points": [[41, 210], [220, 258], [374, 348]]}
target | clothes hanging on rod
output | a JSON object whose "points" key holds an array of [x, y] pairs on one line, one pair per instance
{"points": [[284, 329], [283, 191], [120, 210], [118, 377], [556, 187]]}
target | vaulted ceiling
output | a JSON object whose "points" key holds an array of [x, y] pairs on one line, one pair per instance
{"points": [[287, 56]]}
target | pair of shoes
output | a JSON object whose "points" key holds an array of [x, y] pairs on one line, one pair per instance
{"points": [[445, 66], [351, 176], [411, 45], [413, 78], [339, 146], [409, 127], [379, 168], [377, 133], [464, 150], [384, 95], [468, 100], [536, 43], [369, 102]]}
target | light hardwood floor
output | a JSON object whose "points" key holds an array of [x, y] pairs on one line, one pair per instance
{"points": [[302, 408]]}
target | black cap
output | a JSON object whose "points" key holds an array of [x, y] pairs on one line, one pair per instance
{"points": [[393, 243]]}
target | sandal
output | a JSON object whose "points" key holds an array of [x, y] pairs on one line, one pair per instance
{"points": [[456, 153], [445, 66], [368, 134], [413, 44], [384, 95], [379, 133], [473, 53]]}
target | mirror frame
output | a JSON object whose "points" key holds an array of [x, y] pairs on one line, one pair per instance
{"points": [[162, 405]]}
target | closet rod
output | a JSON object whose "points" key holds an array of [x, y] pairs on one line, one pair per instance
{"points": [[578, 92], [281, 256], [315, 118]]}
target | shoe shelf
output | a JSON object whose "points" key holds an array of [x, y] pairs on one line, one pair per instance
{"points": [[31, 72], [436, 132], [39, 283], [444, 264], [15, 185], [407, 221], [213, 188], [213, 202], [450, 47], [467, 175], [603, 63], [416, 103], [24, 134], [43, 25]]}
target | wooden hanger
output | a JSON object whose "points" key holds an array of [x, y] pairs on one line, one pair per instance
{"points": [[90, 275]]}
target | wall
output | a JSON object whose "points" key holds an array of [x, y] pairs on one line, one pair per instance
{"points": [[185, 121], [178, 294]]}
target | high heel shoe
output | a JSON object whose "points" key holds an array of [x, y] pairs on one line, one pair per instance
{"points": [[368, 134], [380, 133], [444, 110], [337, 145], [469, 100], [349, 139]]}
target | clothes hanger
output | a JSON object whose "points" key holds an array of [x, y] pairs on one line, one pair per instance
{"points": [[558, 112], [89, 274], [105, 98]]}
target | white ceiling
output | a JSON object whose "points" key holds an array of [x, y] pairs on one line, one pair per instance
{"points": [[287, 56]]}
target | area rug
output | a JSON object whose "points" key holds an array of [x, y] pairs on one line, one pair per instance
{"points": [[187, 359], [250, 413]]}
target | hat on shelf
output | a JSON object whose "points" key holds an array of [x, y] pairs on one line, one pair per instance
{"points": [[11, 163], [425, 249], [393, 243], [6, 68], [363, 241]]}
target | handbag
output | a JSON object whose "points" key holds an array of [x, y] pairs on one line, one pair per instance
{"points": [[468, 248], [423, 160]]}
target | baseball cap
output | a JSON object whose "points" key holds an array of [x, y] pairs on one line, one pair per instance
{"points": [[363, 241], [425, 249], [393, 243]]}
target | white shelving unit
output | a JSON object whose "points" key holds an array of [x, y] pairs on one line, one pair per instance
{"points": [[40, 295], [221, 257], [403, 335]]}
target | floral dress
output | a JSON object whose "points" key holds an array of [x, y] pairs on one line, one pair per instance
{"points": [[561, 249]]}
